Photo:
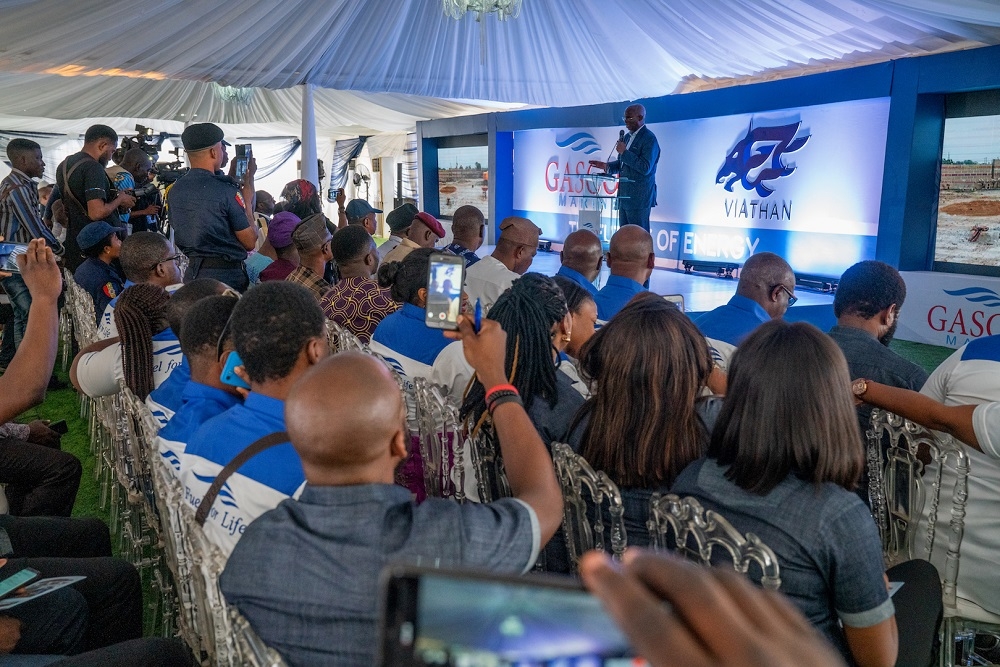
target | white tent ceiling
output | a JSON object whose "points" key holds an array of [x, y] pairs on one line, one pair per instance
{"points": [[380, 65]]}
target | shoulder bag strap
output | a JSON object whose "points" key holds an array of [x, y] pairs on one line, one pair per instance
{"points": [[254, 448], [69, 190]]}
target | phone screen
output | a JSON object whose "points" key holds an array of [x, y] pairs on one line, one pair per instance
{"points": [[443, 618], [446, 275], [8, 254], [17, 580]]}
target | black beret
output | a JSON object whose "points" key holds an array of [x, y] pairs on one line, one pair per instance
{"points": [[201, 135]]}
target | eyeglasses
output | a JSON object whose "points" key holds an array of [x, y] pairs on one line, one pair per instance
{"points": [[173, 258], [791, 297]]}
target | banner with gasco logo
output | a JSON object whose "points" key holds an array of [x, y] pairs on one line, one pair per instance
{"points": [[948, 309]]}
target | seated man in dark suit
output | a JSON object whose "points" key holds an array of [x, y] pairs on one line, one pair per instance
{"points": [[306, 573]]}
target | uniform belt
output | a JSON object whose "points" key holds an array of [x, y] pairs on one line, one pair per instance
{"points": [[218, 263]]}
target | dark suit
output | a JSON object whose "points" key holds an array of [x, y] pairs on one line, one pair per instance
{"points": [[637, 164]]}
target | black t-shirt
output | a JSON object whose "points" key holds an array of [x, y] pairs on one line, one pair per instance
{"points": [[86, 182]]}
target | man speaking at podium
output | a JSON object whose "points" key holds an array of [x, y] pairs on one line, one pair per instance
{"points": [[638, 153]]}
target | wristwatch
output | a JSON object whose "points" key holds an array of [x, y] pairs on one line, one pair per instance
{"points": [[859, 387]]}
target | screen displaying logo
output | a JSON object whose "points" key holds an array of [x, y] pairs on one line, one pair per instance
{"points": [[759, 157], [580, 142]]}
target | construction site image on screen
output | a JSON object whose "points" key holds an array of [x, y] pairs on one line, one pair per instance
{"points": [[968, 223]]}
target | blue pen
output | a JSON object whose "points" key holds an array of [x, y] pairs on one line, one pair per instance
{"points": [[479, 315]]}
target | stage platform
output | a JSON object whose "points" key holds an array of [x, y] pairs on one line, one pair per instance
{"points": [[703, 292]]}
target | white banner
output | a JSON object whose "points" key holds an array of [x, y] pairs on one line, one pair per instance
{"points": [[949, 309]]}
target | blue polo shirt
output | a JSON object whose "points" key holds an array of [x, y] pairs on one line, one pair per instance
{"points": [[166, 399], [734, 321], [103, 282], [578, 278], [260, 483], [200, 403], [206, 211], [618, 291], [405, 333]]}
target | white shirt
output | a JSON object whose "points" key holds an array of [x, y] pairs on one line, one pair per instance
{"points": [[107, 328], [972, 376], [486, 280], [99, 373]]}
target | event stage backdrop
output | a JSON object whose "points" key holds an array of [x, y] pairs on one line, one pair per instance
{"points": [[805, 183]]}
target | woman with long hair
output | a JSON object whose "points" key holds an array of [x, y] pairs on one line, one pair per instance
{"points": [[783, 459], [140, 315]]}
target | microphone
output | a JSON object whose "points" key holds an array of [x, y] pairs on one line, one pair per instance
{"points": [[621, 135]]}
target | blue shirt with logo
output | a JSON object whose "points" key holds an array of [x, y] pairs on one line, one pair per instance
{"points": [[166, 399], [734, 321], [618, 291], [200, 403], [579, 279], [404, 332]]}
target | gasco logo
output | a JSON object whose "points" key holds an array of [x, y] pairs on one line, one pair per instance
{"points": [[963, 321]]}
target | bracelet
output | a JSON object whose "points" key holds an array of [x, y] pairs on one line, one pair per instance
{"points": [[497, 395], [505, 399], [500, 387]]}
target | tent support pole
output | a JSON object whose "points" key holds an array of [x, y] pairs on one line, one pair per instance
{"points": [[309, 170]]}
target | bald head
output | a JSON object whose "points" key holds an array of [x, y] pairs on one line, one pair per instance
{"points": [[767, 279], [352, 436], [582, 251], [635, 117], [631, 253]]}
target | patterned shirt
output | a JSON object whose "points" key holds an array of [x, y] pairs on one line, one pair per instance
{"points": [[19, 218], [308, 278], [469, 256], [358, 304]]}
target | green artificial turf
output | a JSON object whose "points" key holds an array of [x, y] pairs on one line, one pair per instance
{"points": [[928, 356]]}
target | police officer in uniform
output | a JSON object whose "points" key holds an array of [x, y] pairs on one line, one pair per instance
{"points": [[212, 215]]}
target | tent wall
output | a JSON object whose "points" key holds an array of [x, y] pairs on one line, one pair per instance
{"points": [[916, 86]]}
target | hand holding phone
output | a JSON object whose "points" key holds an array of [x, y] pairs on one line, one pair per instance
{"points": [[445, 278], [229, 376], [17, 580]]}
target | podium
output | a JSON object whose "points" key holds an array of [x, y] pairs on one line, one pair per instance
{"points": [[591, 215]]}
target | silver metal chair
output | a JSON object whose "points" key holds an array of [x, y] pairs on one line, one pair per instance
{"points": [[698, 533], [342, 340], [442, 444], [583, 488]]}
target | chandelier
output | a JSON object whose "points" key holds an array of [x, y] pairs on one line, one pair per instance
{"points": [[233, 94], [504, 9]]}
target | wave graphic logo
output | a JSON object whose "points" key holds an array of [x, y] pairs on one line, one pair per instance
{"points": [[580, 142], [225, 493], [981, 295], [759, 146], [172, 459]]}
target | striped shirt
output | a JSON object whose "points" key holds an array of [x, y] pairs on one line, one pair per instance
{"points": [[358, 304], [20, 220]]}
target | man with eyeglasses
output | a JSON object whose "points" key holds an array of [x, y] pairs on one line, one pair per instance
{"points": [[146, 257], [638, 153], [765, 291]]}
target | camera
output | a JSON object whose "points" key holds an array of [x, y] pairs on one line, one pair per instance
{"points": [[147, 189], [146, 139], [168, 172]]}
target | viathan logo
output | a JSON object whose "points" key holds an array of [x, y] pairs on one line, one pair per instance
{"points": [[580, 142], [980, 295], [747, 162]]}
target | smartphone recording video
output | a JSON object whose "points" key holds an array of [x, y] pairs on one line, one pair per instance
{"points": [[446, 275], [243, 154], [446, 618]]}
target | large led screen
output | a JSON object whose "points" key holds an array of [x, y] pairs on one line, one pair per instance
{"points": [[805, 183], [463, 178], [968, 222]]}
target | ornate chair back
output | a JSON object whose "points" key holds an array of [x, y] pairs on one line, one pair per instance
{"points": [[584, 488], [342, 340], [900, 452], [442, 445], [487, 463], [698, 533]]}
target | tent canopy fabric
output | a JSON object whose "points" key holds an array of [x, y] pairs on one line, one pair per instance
{"points": [[380, 65]]}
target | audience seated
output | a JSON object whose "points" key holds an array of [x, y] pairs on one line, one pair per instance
{"points": [[399, 220], [424, 232], [581, 259], [351, 520], [468, 229], [166, 399], [631, 261], [517, 246], [312, 240], [204, 396], [146, 257], [357, 302], [869, 297], [583, 309], [782, 462], [765, 291], [144, 355], [279, 332], [279, 237], [407, 344], [646, 419], [100, 274]]}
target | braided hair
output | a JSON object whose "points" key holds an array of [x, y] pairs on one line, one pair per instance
{"points": [[139, 315], [527, 312]]}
